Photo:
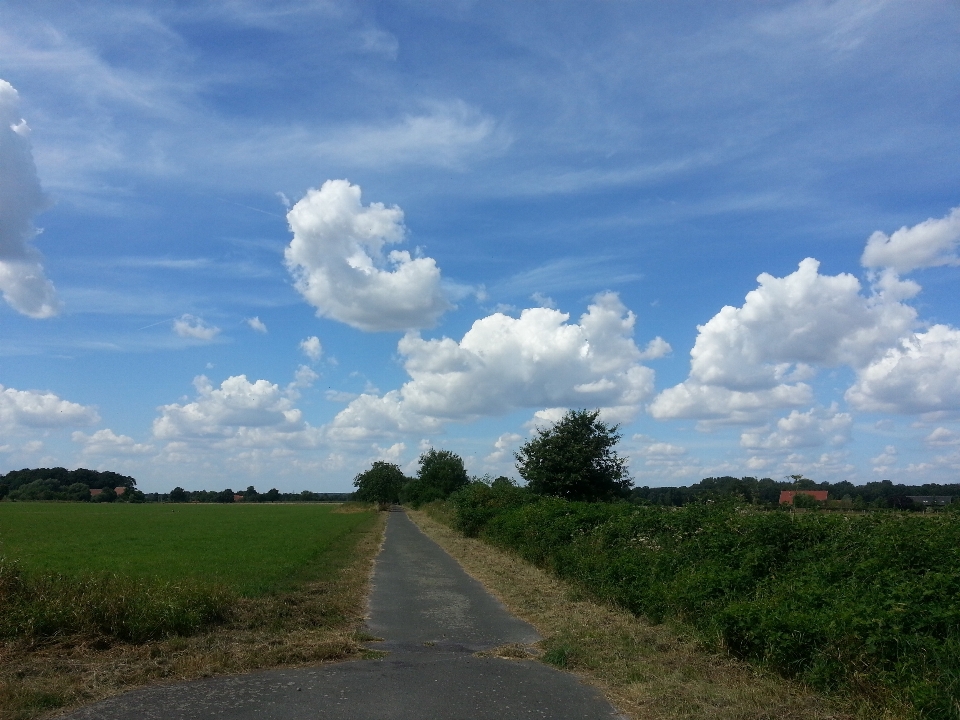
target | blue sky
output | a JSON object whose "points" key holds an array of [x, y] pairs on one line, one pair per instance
{"points": [[270, 242]]}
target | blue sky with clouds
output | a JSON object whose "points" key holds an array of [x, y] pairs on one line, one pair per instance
{"points": [[270, 242]]}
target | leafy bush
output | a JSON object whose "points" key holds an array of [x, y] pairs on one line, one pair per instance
{"points": [[865, 603], [478, 503], [104, 605]]}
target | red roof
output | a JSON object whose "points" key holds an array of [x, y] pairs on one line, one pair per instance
{"points": [[786, 496]]}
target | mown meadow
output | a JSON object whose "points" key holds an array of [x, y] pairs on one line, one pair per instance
{"points": [[168, 581], [854, 604]]}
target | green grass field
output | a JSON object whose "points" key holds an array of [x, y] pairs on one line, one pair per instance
{"points": [[251, 549]]}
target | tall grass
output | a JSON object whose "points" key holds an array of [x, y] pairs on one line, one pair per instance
{"points": [[863, 604], [133, 610]]}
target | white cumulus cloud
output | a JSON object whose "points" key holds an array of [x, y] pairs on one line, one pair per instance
{"points": [[31, 409], [928, 244], [304, 377], [107, 442], [337, 260], [942, 437], [885, 461], [750, 359], [919, 375], [802, 429], [504, 363], [190, 326], [312, 348], [23, 283], [221, 411], [257, 324]]}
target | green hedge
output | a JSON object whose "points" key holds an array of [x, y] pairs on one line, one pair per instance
{"points": [[863, 603]]}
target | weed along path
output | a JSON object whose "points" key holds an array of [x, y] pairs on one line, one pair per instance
{"points": [[445, 644]]}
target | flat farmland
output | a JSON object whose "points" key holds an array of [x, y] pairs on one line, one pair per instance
{"points": [[252, 549], [96, 598]]}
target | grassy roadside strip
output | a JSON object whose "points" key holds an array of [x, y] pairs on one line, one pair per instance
{"points": [[315, 622], [647, 671]]}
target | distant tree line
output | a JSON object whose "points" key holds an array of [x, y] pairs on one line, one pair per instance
{"points": [[250, 495], [440, 474], [68, 485], [766, 491], [75, 485]]}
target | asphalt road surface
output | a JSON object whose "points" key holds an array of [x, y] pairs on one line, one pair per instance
{"points": [[433, 618]]}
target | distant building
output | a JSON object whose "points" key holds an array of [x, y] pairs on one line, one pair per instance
{"points": [[786, 496], [931, 500], [237, 498], [118, 490]]}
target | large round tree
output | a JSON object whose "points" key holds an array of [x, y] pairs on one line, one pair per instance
{"points": [[575, 459], [380, 484], [441, 474]]}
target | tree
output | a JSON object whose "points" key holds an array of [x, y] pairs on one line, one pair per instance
{"points": [[575, 459], [179, 495], [441, 474], [380, 484], [271, 495]]}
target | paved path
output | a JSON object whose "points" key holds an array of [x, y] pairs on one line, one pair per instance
{"points": [[433, 617]]}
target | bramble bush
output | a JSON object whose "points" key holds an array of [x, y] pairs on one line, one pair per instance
{"points": [[851, 603]]}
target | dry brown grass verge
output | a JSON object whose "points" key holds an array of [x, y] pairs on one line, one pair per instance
{"points": [[320, 621], [647, 671]]}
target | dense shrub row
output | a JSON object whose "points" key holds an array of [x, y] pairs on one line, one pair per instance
{"points": [[35, 606], [867, 602]]}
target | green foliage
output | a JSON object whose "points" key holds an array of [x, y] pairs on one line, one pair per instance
{"points": [[179, 495], [91, 478], [478, 503], [380, 484], [856, 603], [805, 502], [766, 491], [133, 610], [575, 459], [225, 496], [107, 495], [441, 474]]}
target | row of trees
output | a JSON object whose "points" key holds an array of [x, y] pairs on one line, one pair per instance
{"points": [[61, 484], [576, 459], [441, 473], [250, 495], [51, 489], [766, 491]]}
